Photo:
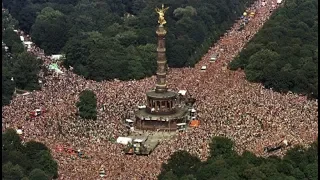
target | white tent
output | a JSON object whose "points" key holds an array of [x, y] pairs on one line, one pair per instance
{"points": [[138, 140], [19, 131], [102, 173], [22, 38], [213, 58], [124, 140], [285, 142], [279, 1], [203, 68], [28, 44], [56, 56], [181, 124], [27, 93], [142, 107], [129, 120], [182, 92]]}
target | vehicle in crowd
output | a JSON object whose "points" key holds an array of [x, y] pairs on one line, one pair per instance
{"points": [[140, 146], [71, 151], [281, 145], [203, 68], [181, 127], [37, 112], [102, 172], [214, 57]]}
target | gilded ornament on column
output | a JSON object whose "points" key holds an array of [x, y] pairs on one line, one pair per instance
{"points": [[161, 12]]}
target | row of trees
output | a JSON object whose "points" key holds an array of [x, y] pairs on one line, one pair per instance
{"points": [[29, 161], [19, 68], [224, 163], [284, 54], [116, 38]]}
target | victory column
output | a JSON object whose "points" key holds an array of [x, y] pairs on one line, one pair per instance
{"points": [[163, 111]]}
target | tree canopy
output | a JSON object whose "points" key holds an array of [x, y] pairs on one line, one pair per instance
{"points": [[49, 31], [283, 55], [87, 105], [31, 160], [110, 39], [225, 163], [20, 69]]}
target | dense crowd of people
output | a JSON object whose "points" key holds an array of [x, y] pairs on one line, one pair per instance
{"points": [[227, 105]]}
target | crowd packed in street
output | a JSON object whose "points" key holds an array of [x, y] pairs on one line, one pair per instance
{"points": [[227, 105]]}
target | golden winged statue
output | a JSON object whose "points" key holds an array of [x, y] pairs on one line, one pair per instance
{"points": [[161, 12]]}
